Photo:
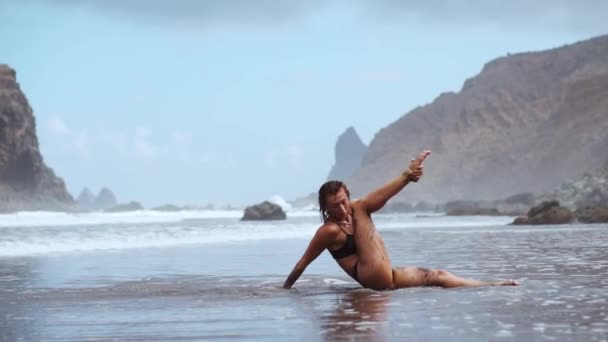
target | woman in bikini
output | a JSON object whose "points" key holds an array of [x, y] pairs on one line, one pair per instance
{"points": [[349, 234]]}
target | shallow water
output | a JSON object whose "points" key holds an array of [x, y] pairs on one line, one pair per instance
{"points": [[181, 284]]}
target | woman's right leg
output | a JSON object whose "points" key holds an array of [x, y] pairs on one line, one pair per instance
{"points": [[374, 268]]}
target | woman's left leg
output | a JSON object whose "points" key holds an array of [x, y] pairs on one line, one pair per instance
{"points": [[420, 276]]}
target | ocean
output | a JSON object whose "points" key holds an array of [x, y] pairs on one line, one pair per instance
{"points": [[206, 275]]}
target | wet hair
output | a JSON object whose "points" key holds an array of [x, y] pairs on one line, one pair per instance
{"points": [[329, 188]]}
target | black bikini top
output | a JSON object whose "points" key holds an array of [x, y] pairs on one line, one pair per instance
{"points": [[347, 249]]}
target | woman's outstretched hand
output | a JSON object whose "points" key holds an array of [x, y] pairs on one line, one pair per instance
{"points": [[416, 168]]}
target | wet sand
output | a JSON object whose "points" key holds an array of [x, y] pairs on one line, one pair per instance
{"points": [[231, 291]]}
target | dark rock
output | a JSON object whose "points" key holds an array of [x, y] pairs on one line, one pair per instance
{"points": [[131, 206], [349, 152], [554, 215], [549, 212], [592, 214], [544, 206], [264, 211], [26, 183]]}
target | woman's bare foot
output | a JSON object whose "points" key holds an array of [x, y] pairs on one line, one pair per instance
{"points": [[508, 282]]}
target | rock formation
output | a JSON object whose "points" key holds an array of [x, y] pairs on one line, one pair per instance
{"points": [[105, 199], [26, 183], [549, 212], [85, 199], [264, 211], [526, 123], [349, 152]]}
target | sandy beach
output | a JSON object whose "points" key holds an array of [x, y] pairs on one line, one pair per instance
{"points": [[228, 287]]}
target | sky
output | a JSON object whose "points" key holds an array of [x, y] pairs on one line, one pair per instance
{"points": [[233, 102]]}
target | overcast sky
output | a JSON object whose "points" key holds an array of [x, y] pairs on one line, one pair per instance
{"points": [[234, 101]]}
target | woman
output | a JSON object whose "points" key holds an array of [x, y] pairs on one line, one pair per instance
{"points": [[349, 234]]}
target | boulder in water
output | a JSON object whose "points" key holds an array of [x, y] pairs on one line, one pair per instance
{"points": [[265, 211], [548, 212], [349, 153]]}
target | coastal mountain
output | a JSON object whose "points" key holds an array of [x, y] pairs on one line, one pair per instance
{"points": [[526, 123], [349, 152], [26, 183]]}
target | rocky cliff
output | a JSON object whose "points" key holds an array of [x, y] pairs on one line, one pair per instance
{"points": [[525, 123], [26, 183], [349, 152]]}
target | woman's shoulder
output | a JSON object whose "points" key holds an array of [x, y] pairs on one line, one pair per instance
{"points": [[357, 204], [329, 228]]}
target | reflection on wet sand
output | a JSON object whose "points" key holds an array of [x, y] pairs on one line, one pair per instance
{"points": [[16, 319], [359, 314]]}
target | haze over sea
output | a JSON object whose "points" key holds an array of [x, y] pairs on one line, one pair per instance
{"points": [[196, 275]]}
